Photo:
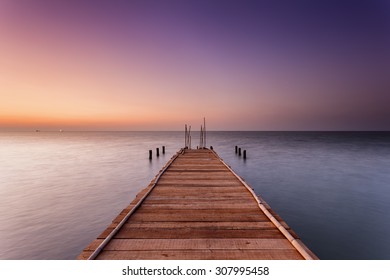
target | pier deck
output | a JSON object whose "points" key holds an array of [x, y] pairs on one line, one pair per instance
{"points": [[197, 208]]}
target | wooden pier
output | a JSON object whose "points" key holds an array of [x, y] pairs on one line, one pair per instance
{"points": [[197, 208]]}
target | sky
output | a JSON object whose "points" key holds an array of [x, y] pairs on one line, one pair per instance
{"points": [[157, 65]]}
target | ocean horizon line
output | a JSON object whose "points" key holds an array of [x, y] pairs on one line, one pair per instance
{"points": [[214, 130]]}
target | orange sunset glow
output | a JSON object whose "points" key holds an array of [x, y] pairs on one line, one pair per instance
{"points": [[146, 68]]}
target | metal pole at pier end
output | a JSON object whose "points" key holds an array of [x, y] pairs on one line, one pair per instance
{"points": [[204, 132]]}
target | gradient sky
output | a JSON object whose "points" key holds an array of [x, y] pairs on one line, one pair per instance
{"points": [[156, 65]]}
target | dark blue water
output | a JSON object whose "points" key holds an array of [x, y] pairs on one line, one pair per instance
{"points": [[58, 191], [333, 189]]}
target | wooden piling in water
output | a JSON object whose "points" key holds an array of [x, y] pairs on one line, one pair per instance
{"points": [[150, 154], [244, 154], [157, 152], [239, 151], [163, 150]]}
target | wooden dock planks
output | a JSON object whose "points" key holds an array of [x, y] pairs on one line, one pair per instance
{"points": [[198, 209]]}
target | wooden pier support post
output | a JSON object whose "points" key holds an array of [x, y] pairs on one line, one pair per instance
{"points": [[211, 148], [163, 150], [239, 151], [157, 152], [236, 149], [150, 154], [244, 154]]}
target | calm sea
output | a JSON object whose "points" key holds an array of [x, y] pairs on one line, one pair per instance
{"points": [[59, 191]]}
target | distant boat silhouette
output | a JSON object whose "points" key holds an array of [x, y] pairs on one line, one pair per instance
{"points": [[37, 130]]}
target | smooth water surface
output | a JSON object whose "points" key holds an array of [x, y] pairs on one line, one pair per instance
{"points": [[59, 191]]}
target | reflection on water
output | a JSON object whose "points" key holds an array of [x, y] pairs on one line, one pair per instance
{"points": [[58, 191]]}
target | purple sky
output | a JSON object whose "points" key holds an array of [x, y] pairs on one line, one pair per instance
{"points": [[155, 65]]}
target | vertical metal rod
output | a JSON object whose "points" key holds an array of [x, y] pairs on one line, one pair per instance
{"points": [[189, 138], [201, 137], [185, 136], [204, 132]]}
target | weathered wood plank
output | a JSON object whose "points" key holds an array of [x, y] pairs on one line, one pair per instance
{"points": [[199, 194], [212, 197], [203, 225], [199, 183], [199, 176], [202, 255], [220, 190], [198, 244], [174, 231], [207, 167], [240, 212], [194, 206], [193, 216], [191, 233]]}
